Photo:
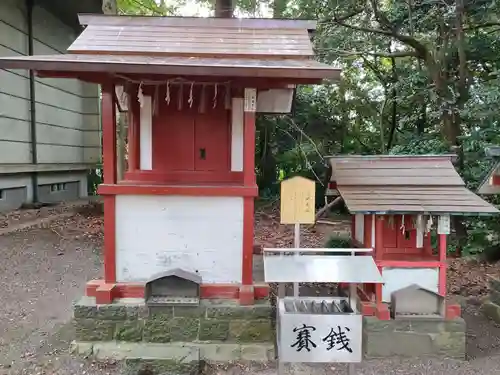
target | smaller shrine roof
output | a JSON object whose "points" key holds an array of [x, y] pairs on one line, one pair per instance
{"points": [[405, 184]]}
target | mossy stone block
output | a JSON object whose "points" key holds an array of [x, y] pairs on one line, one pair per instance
{"points": [[161, 367], [112, 312], [250, 330], [184, 329], [157, 330], [259, 311], [160, 312], [167, 329], [136, 312], [129, 331], [94, 330], [189, 311], [213, 330], [84, 312]]}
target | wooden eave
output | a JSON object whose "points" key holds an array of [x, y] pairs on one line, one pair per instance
{"points": [[286, 69]]}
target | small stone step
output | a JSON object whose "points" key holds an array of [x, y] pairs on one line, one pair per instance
{"points": [[211, 352], [491, 310], [494, 283]]}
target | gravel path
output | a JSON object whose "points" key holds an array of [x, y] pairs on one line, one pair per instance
{"points": [[41, 273], [44, 269]]}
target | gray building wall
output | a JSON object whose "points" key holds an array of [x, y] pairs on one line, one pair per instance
{"points": [[67, 110], [12, 197]]}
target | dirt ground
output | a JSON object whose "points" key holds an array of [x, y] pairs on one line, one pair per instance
{"points": [[44, 269]]}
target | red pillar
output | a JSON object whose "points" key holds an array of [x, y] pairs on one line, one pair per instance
{"points": [[442, 266], [104, 293], [250, 105], [108, 109], [381, 308]]}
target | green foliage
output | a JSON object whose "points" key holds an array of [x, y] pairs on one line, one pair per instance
{"points": [[412, 83], [338, 242], [94, 179], [147, 7]]}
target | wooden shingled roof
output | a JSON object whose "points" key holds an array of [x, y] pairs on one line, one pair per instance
{"points": [[408, 184], [175, 36], [264, 48]]}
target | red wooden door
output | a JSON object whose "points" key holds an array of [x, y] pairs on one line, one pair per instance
{"points": [[173, 140], [186, 139], [211, 141]]}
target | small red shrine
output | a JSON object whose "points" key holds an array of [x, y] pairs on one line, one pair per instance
{"points": [[491, 183], [193, 87], [396, 203]]}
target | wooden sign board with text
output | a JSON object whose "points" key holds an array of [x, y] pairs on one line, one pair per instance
{"points": [[297, 201]]}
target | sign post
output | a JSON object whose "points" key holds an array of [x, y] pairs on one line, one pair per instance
{"points": [[298, 197], [316, 329]]}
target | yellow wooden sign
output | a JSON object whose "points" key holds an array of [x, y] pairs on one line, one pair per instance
{"points": [[297, 201]]}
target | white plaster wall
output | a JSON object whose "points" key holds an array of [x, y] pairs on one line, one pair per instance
{"points": [[397, 278], [237, 136], [197, 234], [146, 134], [373, 230], [359, 225]]}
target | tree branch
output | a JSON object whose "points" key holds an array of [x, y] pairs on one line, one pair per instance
{"points": [[420, 49], [379, 54], [481, 26], [327, 207]]}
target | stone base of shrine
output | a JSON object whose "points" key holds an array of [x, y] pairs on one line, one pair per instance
{"points": [[222, 330], [216, 330], [414, 336]]}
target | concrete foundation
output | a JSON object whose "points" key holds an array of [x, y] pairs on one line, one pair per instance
{"points": [[177, 339], [414, 337]]}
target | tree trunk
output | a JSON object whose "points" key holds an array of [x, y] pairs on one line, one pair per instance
{"points": [[279, 8], [224, 8], [109, 7], [463, 96], [267, 177]]}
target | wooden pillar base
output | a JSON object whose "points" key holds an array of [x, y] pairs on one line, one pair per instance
{"points": [[382, 312], [453, 311], [247, 295], [105, 293]]}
